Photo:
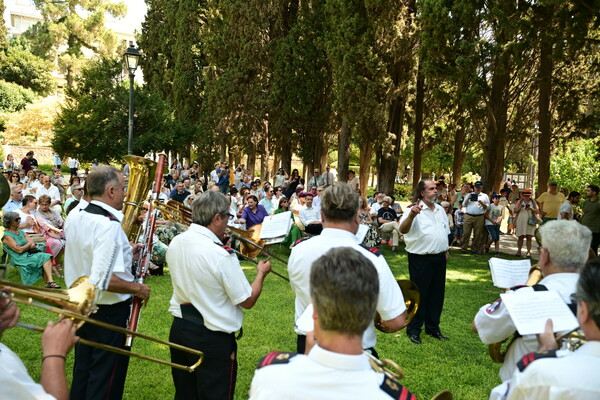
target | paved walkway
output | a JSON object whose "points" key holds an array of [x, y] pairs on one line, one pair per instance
{"points": [[508, 246]]}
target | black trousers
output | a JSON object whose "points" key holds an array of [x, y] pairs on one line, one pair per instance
{"points": [[595, 242], [429, 273], [314, 229], [99, 374], [215, 378]]}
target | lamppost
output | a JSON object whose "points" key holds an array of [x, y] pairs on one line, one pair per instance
{"points": [[132, 58]]}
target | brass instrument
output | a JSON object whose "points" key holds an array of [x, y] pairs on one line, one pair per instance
{"points": [[4, 190], [256, 262], [141, 177], [411, 295], [571, 340], [253, 244], [385, 366], [174, 211], [77, 303]]}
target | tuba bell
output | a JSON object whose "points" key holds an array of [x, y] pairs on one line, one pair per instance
{"points": [[141, 177]]}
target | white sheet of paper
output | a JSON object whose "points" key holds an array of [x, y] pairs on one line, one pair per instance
{"points": [[509, 273], [276, 225], [530, 310], [306, 323], [361, 233]]}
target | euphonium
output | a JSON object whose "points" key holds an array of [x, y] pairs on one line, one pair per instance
{"points": [[141, 176]]}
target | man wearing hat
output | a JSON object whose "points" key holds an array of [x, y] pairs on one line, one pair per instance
{"points": [[475, 204], [316, 180], [550, 202]]}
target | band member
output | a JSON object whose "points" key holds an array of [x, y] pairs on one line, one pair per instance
{"points": [[425, 229], [564, 252], [98, 247], [57, 341], [343, 288], [339, 212], [209, 292]]}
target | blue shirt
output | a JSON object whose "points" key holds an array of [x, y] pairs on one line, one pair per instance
{"points": [[225, 178], [12, 206]]}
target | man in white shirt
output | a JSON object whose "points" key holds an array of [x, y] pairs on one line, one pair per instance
{"points": [[343, 287], [475, 203], [353, 180], [311, 217], [560, 374], [328, 177], [49, 189], [73, 166], [209, 292], [565, 250], [566, 209], [269, 202], [97, 247], [214, 176], [425, 229], [377, 204], [339, 208], [57, 341]]}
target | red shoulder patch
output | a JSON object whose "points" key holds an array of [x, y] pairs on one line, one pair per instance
{"points": [[373, 250], [227, 249], [531, 357], [301, 240]]}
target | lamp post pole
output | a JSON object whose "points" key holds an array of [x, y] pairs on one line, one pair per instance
{"points": [[132, 57]]}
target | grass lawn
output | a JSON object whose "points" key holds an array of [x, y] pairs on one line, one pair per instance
{"points": [[461, 365]]}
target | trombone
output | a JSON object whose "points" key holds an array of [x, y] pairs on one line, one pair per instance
{"points": [[77, 303]]}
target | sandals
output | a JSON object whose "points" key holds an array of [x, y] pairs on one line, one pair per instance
{"points": [[52, 285], [55, 272]]}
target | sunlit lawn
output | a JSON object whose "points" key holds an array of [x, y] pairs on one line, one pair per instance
{"points": [[461, 365]]}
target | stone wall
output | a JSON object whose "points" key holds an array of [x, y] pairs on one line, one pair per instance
{"points": [[44, 155]]}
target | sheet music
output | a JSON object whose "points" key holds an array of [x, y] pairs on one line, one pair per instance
{"points": [[530, 310], [276, 225], [361, 233], [306, 323], [509, 273]]}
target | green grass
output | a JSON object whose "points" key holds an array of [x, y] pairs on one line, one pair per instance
{"points": [[461, 365]]}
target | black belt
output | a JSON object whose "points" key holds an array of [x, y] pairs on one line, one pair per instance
{"points": [[191, 314], [475, 215]]}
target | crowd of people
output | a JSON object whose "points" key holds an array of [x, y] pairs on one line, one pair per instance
{"points": [[333, 268]]}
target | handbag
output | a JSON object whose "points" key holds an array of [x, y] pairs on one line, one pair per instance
{"points": [[33, 251]]}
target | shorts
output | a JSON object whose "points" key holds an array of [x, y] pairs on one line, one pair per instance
{"points": [[494, 231], [458, 230]]}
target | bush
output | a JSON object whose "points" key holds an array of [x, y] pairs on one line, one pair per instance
{"points": [[14, 97]]}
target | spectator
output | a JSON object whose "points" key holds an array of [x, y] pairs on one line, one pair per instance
{"points": [[328, 177], [26, 162], [214, 175], [526, 217], [77, 191], [293, 184], [9, 164], [28, 223], [31, 183], [448, 210], [591, 215], [253, 213], [311, 217], [51, 226], [353, 180], [269, 202], [74, 180], [372, 237], [56, 161], [280, 177], [550, 202], [50, 190], [566, 209], [316, 179], [493, 220], [295, 233], [475, 204], [459, 215], [32, 263], [223, 175], [16, 200], [179, 193], [14, 180], [388, 222], [73, 164]]}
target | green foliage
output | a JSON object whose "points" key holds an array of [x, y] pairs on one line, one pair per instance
{"points": [[3, 29], [20, 66], [14, 97], [574, 165], [94, 122]]}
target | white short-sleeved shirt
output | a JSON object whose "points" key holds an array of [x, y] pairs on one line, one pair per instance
{"points": [[390, 303], [375, 208], [97, 244], [474, 207], [15, 382], [494, 323], [429, 231], [574, 376], [565, 207], [320, 375], [308, 215], [494, 212], [52, 191], [209, 277]]}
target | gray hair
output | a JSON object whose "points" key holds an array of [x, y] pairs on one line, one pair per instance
{"points": [[388, 199], [344, 287], [339, 202], [417, 193], [100, 179], [567, 242], [8, 218], [207, 205], [587, 288]]}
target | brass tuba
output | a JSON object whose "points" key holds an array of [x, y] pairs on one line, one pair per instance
{"points": [[412, 297], [141, 177]]}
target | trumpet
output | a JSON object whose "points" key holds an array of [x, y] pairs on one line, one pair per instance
{"points": [[77, 303]]}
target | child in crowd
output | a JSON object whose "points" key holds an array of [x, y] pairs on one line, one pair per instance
{"points": [[493, 219], [459, 215], [448, 209]]}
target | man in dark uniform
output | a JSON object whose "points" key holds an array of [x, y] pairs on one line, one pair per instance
{"points": [[209, 292]]}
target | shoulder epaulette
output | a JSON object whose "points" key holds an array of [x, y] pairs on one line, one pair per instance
{"points": [[373, 250], [275, 357], [531, 357], [493, 307], [518, 287], [227, 249], [94, 209], [540, 288], [396, 390], [301, 240]]}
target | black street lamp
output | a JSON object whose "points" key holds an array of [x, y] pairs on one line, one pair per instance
{"points": [[132, 58]]}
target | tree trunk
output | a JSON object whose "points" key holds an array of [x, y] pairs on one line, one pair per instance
{"points": [[264, 165], [251, 159], [366, 153], [545, 87], [286, 154], [495, 140], [223, 149], [275, 162], [344, 151], [418, 128], [459, 154]]}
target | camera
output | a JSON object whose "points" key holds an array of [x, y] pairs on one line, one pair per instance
{"points": [[474, 196]]}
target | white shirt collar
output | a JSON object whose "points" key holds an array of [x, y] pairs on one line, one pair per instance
{"points": [[202, 230], [337, 233], [337, 360], [116, 213]]}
